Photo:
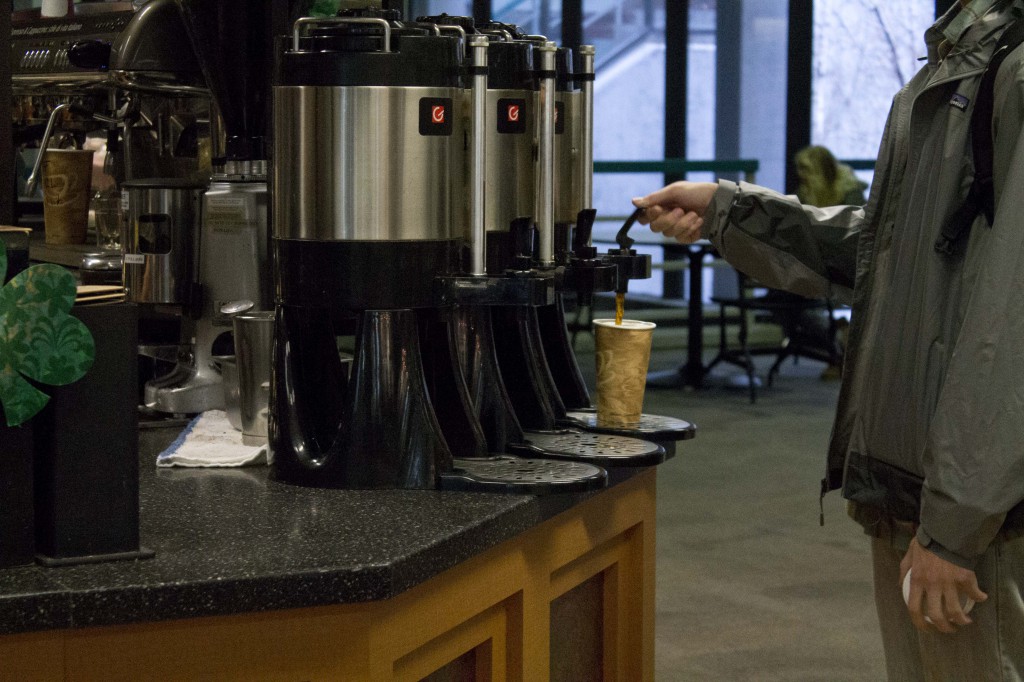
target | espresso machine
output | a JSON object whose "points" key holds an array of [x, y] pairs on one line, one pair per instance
{"points": [[60, 82], [130, 74], [377, 145]]}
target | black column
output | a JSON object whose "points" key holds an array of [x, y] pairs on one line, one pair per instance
{"points": [[7, 194], [728, 62], [677, 39], [572, 23], [798, 85], [482, 10], [942, 6]]}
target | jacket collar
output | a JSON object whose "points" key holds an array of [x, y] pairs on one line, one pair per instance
{"points": [[972, 49], [962, 28], [963, 19]]}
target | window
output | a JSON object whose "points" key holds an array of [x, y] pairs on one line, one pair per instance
{"points": [[864, 52], [629, 105], [535, 17], [430, 8]]}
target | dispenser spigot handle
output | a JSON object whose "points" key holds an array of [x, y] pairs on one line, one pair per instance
{"points": [[630, 264], [623, 239], [582, 235], [521, 231]]}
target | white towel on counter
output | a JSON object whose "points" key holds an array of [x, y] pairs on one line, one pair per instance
{"points": [[209, 440]]}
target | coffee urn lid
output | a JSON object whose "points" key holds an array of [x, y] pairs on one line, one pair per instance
{"points": [[467, 24], [356, 54], [510, 66]]}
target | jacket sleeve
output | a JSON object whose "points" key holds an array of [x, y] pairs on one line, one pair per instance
{"points": [[783, 244], [974, 458]]}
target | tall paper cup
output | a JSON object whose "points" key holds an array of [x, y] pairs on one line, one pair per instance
{"points": [[67, 181], [623, 354]]}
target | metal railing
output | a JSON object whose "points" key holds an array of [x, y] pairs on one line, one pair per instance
{"points": [[748, 167]]}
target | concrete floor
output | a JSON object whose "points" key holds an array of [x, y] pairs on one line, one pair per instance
{"points": [[749, 586]]}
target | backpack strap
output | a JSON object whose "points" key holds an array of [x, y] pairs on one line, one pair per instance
{"points": [[981, 198]]}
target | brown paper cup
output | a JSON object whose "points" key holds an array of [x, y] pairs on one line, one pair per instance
{"points": [[623, 354], [67, 185]]}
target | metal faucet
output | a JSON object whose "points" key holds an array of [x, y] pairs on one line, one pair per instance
{"points": [[33, 180]]}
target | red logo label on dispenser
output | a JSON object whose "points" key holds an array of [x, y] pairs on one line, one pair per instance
{"points": [[434, 116], [512, 115]]}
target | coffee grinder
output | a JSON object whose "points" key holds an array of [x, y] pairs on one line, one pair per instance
{"points": [[231, 272], [370, 139]]}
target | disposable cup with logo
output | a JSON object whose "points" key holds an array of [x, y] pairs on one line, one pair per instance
{"points": [[623, 353]]}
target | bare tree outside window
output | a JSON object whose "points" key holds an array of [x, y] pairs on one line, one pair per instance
{"points": [[864, 51]]}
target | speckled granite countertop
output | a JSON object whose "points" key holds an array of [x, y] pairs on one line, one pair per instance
{"points": [[230, 541]]}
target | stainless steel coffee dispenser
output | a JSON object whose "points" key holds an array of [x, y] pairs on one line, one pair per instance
{"points": [[572, 217], [539, 138], [377, 145], [367, 135], [496, 338]]}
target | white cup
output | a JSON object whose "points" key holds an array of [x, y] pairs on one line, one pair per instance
{"points": [[966, 603]]}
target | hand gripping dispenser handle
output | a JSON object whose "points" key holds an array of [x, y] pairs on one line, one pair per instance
{"points": [[631, 265]]}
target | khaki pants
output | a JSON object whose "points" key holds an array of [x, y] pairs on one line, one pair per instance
{"points": [[989, 649]]}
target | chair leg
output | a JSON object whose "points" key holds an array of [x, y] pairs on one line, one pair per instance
{"points": [[748, 359], [722, 350], [777, 364]]}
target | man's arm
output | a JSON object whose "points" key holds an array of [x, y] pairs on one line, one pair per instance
{"points": [[769, 236]]}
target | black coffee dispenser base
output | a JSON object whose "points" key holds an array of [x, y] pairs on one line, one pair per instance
{"points": [[522, 476], [650, 427], [593, 448]]}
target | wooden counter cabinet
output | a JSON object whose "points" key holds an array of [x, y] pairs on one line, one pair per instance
{"points": [[570, 599]]}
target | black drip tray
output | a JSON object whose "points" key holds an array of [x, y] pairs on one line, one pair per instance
{"points": [[523, 476], [595, 448], [652, 426]]}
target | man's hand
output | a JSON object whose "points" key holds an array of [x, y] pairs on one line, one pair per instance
{"points": [[677, 210], [935, 589]]}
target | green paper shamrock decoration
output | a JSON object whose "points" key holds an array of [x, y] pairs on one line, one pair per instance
{"points": [[39, 340]]}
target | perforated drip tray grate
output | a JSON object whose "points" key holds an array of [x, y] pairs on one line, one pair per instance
{"points": [[596, 448], [524, 476], [652, 426]]}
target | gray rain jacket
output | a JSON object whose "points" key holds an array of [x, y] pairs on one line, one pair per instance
{"points": [[930, 422]]}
